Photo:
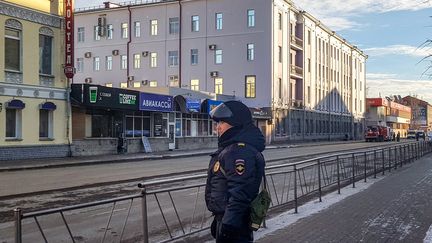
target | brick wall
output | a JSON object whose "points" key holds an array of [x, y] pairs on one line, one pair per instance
{"points": [[33, 152]]}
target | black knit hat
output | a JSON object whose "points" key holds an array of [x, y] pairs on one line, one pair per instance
{"points": [[232, 112]]}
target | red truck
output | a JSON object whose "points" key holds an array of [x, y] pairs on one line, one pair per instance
{"points": [[378, 133]]}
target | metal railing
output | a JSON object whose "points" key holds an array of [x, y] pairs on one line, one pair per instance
{"points": [[172, 209]]}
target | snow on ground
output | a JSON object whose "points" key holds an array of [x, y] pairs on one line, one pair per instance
{"points": [[428, 238]]}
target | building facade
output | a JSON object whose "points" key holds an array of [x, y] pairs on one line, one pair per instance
{"points": [[421, 113], [383, 112], [300, 80], [34, 118]]}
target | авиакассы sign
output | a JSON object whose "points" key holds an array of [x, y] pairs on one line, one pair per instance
{"points": [[154, 102]]}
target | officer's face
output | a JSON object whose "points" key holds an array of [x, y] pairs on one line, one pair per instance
{"points": [[222, 127]]}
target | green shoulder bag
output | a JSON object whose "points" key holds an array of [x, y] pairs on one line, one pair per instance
{"points": [[259, 207]]}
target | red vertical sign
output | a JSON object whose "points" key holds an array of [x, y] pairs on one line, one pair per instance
{"points": [[69, 68]]}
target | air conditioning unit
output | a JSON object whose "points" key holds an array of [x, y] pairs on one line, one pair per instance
{"points": [[214, 74], [212, 47], [144, 82], [87, 54], [131, 78], [115, 52], [145, 53], [88, 80]]}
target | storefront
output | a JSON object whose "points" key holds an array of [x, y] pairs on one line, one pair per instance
{"points": [[262, 119]]}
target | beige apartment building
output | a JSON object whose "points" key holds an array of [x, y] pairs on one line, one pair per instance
{"points": [[300, 79]]}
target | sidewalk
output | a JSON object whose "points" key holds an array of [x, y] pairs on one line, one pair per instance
{"points": [[12, 165], [396, 208]]}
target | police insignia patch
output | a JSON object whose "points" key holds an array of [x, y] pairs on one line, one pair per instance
{"points": [[240, 166], [216, 167]]}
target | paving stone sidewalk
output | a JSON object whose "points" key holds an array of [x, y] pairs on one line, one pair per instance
{"points": [[397, 208]]}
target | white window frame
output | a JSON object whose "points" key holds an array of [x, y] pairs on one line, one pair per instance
{"points": [[195, 23], [137, 26], [19, 39], [81, 34], [250, 86], [251, 18], [250, 51], [173, 60], [219, 21], [124, 30], [218, 83], [137, 61], [153, 59], [18, 124], [154, 27], [136, 84], [123, 62], [110, 31], [123, 85], [80, 65], [194, 56], [50, 125], [96, 63], [153, 83], [218, 56], [108, 63], [96, 33], [174, 25], [194, 84]]}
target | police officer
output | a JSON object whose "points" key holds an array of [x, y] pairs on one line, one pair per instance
{"points": [[235, 172]]}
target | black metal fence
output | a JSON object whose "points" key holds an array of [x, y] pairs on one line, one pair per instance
{"points": [[171, 209]]}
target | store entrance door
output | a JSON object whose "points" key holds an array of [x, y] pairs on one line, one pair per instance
{"points": [[171, 131]]}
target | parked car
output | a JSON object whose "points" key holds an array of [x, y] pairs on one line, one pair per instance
{"points": [[411, 134], [421, 135]]}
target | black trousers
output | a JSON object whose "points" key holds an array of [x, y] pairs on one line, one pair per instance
{"points": [[244, 235]]}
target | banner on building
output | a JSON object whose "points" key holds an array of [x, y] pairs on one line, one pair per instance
{"points": [[155, 102]]}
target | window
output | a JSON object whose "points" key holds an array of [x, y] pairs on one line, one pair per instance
{"points": [[280, 21], [250, 52], [45, 123], [153, 83], [173, 81], [194, 56], [280, 54], [174, 25], [309, 37], [153, 27], [108, 85], [195, 23], [123, 85], [109, 31], [219, 21], [12, 49], [81, 35], [80, 65], [218, 56], [96, 63], [137, 26], [280, 88], [137, 61], [137, 84], [96, 33], [172, 58], [124, 62], [13, 123], [309, 65], [251, 18], [108, 62], [153, 59], [218, 85], [250, 87], [45, 54], [194, 84], [124, 30]]}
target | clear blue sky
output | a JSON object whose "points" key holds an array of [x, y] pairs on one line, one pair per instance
{"points": [[390, 32]]}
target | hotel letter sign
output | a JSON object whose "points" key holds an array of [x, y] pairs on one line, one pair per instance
{"points": [[69, 68]]}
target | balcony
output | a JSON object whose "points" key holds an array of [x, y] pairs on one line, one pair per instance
{"points": [[296, 71], [296, 43]]}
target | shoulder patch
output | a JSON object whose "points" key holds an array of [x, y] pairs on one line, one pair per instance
{"points": [[216, 167], [240, 166], [241, 144]]}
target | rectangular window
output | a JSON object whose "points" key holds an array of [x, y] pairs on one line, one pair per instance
{"points": [[173, 81], [108, 62], [153, 59], [124, 30], [96, 33], [195, 23], [81, 35], [309, 37], [218, 85], [124, 62], [109, 32], [12, 49], [251, 17], [174, 25], [194, 56], [194, 84], [153, 27], [219, 21], [280, 88], [137, 61], [250, 52], [218, 56], [109, 85], [309, 65], [13, 123], [96, 63], [136, 84], [250, 87], [80, 65], [153, 83], [280, 54], [123, 85], [173, 58], [137, 28], [45, 54], [280, 21], [45, 124]]}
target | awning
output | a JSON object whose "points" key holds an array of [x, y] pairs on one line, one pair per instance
{"points": [[15, 104], [47, 106], [187, 105], [207, 105]]}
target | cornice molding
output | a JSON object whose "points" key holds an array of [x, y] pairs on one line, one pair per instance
{"points": [[30, 15]]}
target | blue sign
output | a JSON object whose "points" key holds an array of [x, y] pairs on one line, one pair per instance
{"points": [[193, 105], [212, 104], [154, 102]]}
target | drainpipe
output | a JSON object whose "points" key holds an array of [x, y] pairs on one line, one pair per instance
{"points": [[180, 44], [128, 46]]}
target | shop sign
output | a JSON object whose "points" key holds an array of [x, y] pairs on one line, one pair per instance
{"points": [[376, 102], [193, 105], [211, 104], [260, 113], [127, 99], [155, 102], [69, 69]]}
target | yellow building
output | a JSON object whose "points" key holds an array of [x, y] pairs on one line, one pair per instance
{"points": [[34, 112]]}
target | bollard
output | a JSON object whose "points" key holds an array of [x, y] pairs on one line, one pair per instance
{"points": [[144, 215], [319, 180], [295, 188], [18, 225]]}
